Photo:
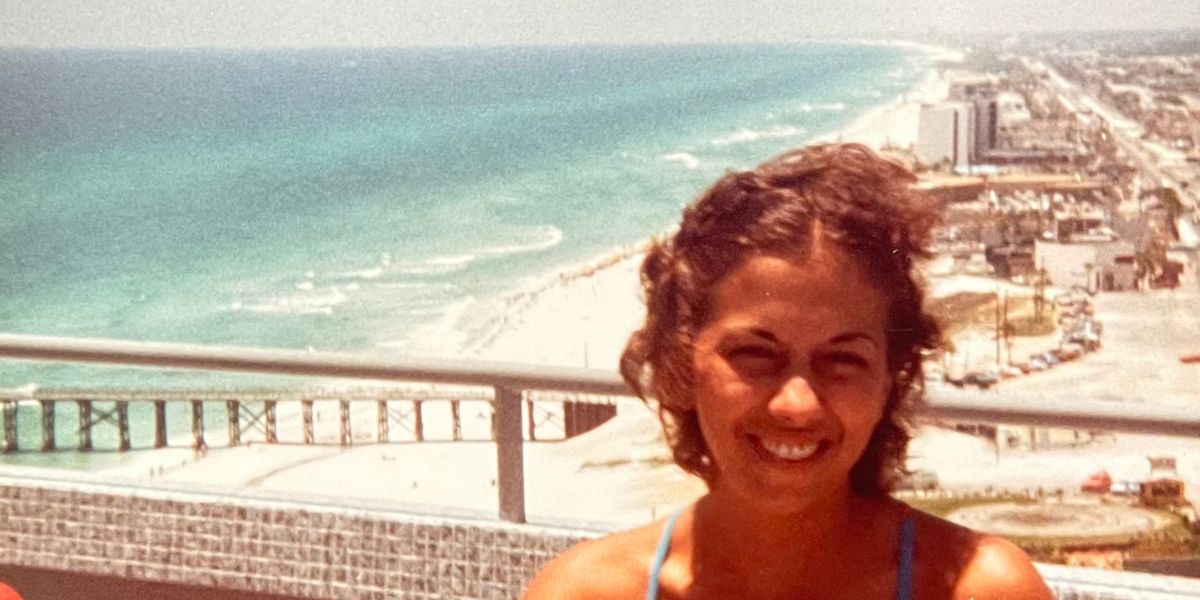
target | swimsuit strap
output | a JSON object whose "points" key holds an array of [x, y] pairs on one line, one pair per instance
{"points": [[660, 555], [904, 568]]}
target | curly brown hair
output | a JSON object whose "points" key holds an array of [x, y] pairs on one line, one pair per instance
{"points": [[866, 206]]}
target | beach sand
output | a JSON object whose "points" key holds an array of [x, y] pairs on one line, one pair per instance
{"points": [[619, 474]]}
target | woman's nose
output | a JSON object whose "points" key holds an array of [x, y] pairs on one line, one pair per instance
{"points": [[795, 402]]}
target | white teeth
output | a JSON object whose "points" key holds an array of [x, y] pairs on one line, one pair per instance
{"points": [[789, 451]]}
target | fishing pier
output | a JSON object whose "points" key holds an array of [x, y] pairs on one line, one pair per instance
{"points": [[398, 414]]}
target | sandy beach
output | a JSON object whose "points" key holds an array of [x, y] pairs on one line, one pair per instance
{"points": [[620, 474]]}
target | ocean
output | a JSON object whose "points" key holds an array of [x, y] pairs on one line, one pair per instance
{"points": [[381, 201]]}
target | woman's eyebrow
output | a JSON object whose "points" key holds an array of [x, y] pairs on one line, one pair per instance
{"points": [[755, 331], [852, 336]]}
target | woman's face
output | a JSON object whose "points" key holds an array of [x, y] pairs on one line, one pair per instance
{"points": [[791, 375]]}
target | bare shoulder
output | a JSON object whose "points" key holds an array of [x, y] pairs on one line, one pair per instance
{"points": [[975, 565], [612, 567], [999, 569]]}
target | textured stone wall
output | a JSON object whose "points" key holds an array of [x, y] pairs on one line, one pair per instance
{"points": [[255, 544], [259, 543]]}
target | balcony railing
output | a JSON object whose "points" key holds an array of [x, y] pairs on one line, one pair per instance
{"points": [[510, 384]]}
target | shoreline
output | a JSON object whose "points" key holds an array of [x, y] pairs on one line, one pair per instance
{"points": [[575, 316], [578, 316], [891, 123]]}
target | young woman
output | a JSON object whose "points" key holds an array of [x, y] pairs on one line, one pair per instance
{"points": [[782, 345]]}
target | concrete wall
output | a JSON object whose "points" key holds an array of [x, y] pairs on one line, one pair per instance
{"points": [[235, 540], [245, 543]]}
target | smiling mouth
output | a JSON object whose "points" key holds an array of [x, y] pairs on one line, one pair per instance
{"points": [[787, 451]]}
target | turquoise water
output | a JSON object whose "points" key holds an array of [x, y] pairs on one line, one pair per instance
{"points": [[373, 200]]}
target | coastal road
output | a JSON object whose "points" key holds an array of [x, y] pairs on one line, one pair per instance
{"points": [[1126, 132]]}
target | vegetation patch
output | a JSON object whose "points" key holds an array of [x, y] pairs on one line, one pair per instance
{"points": [[1174, 540], [977, 310]]}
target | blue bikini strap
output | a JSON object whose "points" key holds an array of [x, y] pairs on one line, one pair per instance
{"points": [[660, 555], [904, 570]]}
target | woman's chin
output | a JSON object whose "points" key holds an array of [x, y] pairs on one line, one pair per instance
{"points": [[782, 496]]}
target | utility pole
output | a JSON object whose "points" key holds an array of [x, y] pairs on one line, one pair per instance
{"points": [[997, 327], [1004, 328]]}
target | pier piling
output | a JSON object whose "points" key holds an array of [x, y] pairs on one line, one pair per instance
{"points": [[10, 426], [85, 425], [418, 422], [306, 420], [47, 425], [123, 425], [381, 421], [160, 424], [456, 419], [531, 418], [198, 442], [344, 414], [269, 422], [233, 409]]}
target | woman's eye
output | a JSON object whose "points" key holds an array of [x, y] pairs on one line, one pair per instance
{"points": [[753, 352], [755, 357], [846, 361]]}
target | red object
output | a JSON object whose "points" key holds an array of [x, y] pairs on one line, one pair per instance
{"points": [[1189, 359], [7, 593], [1098, 483]]}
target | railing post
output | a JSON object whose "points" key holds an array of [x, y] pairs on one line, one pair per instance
{"points": [[10, 426], [85, 425], [160, 424], [198, 442], [456, 421], [47, 425], [510, 454]]}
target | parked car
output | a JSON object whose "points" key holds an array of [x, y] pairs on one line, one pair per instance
{"points": [[1070, 351], [1084, 336], [1050, 358], [1125, 488], [1008, 371], [983, 379], [1099, 482], [1037, 364]]}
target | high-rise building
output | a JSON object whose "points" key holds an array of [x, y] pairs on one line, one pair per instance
{"points": [[987, 115], [946, 133]]}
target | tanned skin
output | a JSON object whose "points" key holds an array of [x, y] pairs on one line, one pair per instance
{"points": [[790, 381]]}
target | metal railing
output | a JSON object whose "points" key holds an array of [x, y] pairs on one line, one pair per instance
{"points": [[509, 381]]}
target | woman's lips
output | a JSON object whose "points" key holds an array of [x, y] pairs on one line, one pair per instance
{"points": [[789, 451]]}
